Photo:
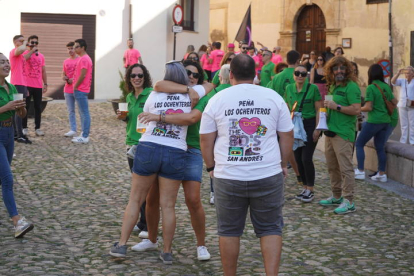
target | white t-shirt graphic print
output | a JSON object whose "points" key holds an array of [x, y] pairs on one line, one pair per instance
{"points": [[246, 118], [165, 133]]}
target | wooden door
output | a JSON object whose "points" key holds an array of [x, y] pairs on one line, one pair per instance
{"points": [[54, 32], [311, 34]]}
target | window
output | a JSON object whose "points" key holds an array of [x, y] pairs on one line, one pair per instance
{"points": [[188, 7], [376, 1]]}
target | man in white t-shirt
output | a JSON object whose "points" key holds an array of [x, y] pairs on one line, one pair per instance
{"points": [[239, 142]]}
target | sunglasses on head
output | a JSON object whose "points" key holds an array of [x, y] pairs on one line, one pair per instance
{"points": [[299, 73], [195, 75], [336, 68], [133, 76], [34, 42]]}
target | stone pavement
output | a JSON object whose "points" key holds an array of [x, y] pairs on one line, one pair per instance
{"points": [[76, 195]]}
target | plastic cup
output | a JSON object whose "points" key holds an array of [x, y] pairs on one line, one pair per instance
{"points": [[123, 106], [141, 128], [17, 97], [329, 98]]}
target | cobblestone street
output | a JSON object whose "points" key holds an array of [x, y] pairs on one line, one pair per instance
{"points": [[76, 194]]}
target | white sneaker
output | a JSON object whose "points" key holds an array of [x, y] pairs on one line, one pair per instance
{"points": [[70, 134], [25, 131], [145, 245], [80, 140], [39, 132], [202, 253], [381, 178], [143, 235], [359, 175], [212, 198], [22, 227]]}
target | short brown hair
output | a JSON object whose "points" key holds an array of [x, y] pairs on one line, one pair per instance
{"points": [[70, 44]]}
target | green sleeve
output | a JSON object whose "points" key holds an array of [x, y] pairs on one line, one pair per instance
{"points": [[216, 80], [317, 94], [369, 96], [354, 94], [205, 76]]}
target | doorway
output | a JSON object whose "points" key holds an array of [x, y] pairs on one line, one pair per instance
{"points": [[311, 35]]}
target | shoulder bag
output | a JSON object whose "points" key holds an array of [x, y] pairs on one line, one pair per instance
{"points": [[390, 106]]}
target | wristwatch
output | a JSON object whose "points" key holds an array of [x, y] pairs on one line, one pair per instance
{"points": [[338, 107]]}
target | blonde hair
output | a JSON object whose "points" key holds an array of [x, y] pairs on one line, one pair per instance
{"points": [[225, 74]]}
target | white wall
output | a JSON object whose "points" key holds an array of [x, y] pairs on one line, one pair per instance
{"points": [[151, 26]]}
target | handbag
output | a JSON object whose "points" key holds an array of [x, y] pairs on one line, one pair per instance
{"points": [[390, 106], [408, 103]]}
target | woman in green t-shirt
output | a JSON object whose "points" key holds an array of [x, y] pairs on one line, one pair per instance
{"points": [[312, 101], [377, 123], [138, 82], [8, 107]]}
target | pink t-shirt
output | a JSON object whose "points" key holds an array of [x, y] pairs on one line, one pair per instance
{"points": [[17, 66], [206, 65], [216, 56], [258, 59], [33, 67], [131, 57], [84, 62], [277, 58], [69, 66]]}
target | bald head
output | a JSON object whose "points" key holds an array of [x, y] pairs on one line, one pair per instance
{"points": [[243, 68]]}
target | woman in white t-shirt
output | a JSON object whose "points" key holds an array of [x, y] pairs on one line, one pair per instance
{"points": [[160, 156]]}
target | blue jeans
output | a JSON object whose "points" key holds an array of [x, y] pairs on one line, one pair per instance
{"points": [[70, 104], [390, 129], [6, 176], [379, 132], [83, 106]]}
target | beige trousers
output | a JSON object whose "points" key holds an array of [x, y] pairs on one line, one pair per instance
{"points": [[338, 154]]}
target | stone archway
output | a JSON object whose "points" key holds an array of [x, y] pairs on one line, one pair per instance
{"points": [[291, 14]]}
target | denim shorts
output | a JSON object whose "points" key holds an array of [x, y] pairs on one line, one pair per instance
{"points": [[194, 165], [151, 158], [265, 197]]}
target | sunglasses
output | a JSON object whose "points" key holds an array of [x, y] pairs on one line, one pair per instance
{"points": [[34, 43], [336, 68], [133, 76], [195, 75], [299, 73], [245, 48]]}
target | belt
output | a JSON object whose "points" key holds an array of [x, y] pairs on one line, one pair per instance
{"points": [[7, 123]]}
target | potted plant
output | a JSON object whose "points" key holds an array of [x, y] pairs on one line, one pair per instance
{"points": [[122, 98]]}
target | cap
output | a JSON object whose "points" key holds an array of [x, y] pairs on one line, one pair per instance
{"points": [[230, 45]]}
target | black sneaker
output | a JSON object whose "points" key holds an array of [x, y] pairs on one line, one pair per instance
{"points": [[24, 139], [371, 175], [166, 258], [299, 196], [308, 198]]}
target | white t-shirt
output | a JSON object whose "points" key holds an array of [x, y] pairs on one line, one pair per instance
{"points": [[246, 117], [165, 133], [406, 89]]}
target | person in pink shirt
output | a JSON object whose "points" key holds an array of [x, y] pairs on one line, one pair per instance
{"points": [[230, 47], [82, 79], [215, 57], [36, 79], [277, 57], [205, 64], [131, 55], [18, 79], [67, 75]]}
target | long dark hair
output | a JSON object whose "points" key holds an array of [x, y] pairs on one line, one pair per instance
{"points": [[200, 70], [147, 78], [375, 72]]}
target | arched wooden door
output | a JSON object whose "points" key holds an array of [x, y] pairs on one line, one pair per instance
{"points": [[311, 34]]}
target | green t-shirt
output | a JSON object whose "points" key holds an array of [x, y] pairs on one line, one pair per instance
{"points": [[135, 107], [379, 113], [342, 124], [268, 71], [313, 95], [222, 86], [394, 118], [216, 79], [193, 131], [5, 98], [281, 80]]}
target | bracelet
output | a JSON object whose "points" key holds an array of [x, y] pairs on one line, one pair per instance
{"points": [[163, 116], [188, 89], [210, 169]]}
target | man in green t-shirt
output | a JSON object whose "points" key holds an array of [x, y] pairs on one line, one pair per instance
{"points": [[342, 116], [268, 69], [281, 80]]}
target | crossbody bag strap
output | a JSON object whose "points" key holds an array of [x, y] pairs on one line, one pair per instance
{"points": [[382, 92], [304, 97]]}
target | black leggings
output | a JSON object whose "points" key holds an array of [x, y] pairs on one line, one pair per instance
{"points": [[142, 223], [36, 93], [304, 155]]}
